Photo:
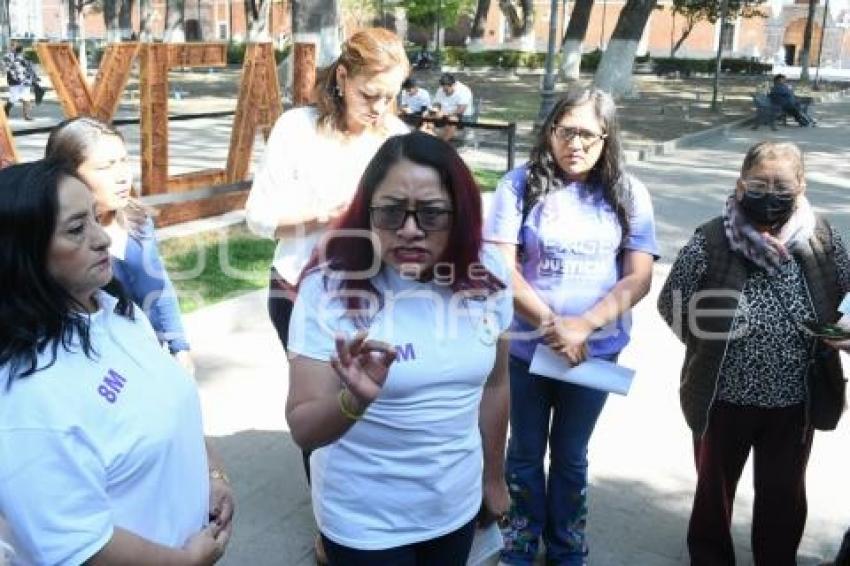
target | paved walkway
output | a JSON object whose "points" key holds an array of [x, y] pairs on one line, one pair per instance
{"points": [[642, 474]]}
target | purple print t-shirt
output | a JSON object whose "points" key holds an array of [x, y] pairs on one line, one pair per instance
{"points": [[570, 244]]}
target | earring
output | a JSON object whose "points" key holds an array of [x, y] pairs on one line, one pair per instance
{"points": [[338, 92]]}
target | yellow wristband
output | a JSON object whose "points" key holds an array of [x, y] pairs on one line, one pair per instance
{"points": [[344, 409]]}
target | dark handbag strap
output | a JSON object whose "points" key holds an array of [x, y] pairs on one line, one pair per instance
{"points": [[797, 324]]}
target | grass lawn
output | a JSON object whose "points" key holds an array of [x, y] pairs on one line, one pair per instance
{"points": [[210, 267], [487, 179]]}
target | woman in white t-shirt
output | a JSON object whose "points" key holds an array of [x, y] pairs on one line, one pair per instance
{"points": [[102, 453], [316, 154], [398, 365]]}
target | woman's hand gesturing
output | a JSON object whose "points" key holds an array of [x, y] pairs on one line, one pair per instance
{"points": [[362, 366]]}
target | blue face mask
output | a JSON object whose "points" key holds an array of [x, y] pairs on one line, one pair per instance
{"points": [[767, 209]]}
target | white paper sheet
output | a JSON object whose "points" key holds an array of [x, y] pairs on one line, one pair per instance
{"points": [[594, 373], [486, 544]]}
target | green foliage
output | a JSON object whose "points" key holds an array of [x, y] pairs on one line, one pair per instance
{"points": [[687, 67], [487, 179], [497, 58], [30, 55], [709, 10], [590, 61], [423, 13], [280, 54], [695, 11], [236, 53]]}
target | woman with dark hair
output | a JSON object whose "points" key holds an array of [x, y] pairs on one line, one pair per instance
{"points": [[316, 154], [96, 152], [102, 454], [580, 232], [398, 365]]}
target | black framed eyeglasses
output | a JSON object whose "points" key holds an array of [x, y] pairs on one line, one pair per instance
{"points": [[586, 137], [427, 218]]}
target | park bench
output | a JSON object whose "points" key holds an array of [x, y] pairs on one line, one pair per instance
{"points": [[766, 112], [508, 128], [804, 102]]}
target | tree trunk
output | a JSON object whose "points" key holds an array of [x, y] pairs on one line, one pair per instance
{"points": [[125, 18], [807, 42], [73, 28], [481, 10], [257, 17], [175, 30], [509, 9], [527, 18], [615, 69], [5, 26], [573, 39], [685, 34], [319, 21], [146, 21], [110, 20], [522, 25]]}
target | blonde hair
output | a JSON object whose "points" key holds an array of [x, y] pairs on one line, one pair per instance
{"points": [[772, 150], [71, 143], [369, 51]]}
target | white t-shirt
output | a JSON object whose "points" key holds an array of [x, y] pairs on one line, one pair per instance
{"points": [[304, 170], [410, 469], [460, 96], [87, 445], [415, 102]]}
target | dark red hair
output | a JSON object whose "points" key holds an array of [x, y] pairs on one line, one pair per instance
{"points": [[347, 254]]}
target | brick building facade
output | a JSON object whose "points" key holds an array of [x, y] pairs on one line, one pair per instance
{"points": [[775, 38]]}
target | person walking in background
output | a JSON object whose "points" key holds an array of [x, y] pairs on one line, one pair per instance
{"points": [[315, 156], [96, 152], [753, 380], [20, 77], [782, 96], [102, 452], [398, 365], [579, 233]]}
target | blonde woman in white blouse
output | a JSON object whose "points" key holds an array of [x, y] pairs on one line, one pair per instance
{"points": [[316, 154]]}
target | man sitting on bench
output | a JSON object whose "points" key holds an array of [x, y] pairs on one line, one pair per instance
{"points": [[782, 96], [454, 101]]}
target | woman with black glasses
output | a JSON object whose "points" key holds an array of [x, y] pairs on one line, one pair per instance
{"points": [[398, 365], [580, 235], [753, 379]]}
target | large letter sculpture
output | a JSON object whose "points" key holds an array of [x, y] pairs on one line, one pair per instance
{"points": [[258, 107], [77, 99]]}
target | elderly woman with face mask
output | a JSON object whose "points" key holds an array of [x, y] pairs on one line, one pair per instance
{"points": [[752, 379]]}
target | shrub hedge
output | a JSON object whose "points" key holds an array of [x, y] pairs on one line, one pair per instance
{"points": [[515, 59], [687, 67]]}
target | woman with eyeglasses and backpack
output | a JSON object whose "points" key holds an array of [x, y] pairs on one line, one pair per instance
{"points": [[580, 234], [740, 295]]}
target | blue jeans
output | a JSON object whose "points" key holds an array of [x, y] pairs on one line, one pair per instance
{"points": [[557, 511]]}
